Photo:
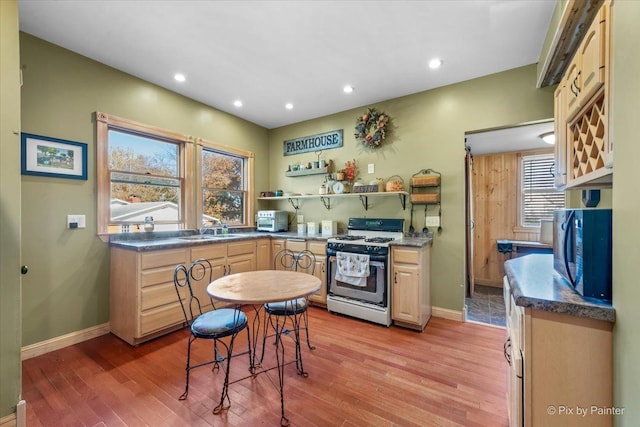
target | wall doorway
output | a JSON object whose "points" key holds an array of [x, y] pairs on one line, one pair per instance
{"points": [[491, 210]]}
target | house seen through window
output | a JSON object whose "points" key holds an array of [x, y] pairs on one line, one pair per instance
{"points": [[144, 172], [145, 181], [538, 195]]}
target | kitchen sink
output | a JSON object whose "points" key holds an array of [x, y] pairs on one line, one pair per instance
{"points": [[198, 237], [209, 236]]}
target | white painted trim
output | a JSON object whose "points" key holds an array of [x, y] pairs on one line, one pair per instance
{"points": [[21, 414], [447, 313], [8, 421], [57, 343]]}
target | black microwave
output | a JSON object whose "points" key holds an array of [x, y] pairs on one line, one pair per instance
{"points": [[582, 250]]}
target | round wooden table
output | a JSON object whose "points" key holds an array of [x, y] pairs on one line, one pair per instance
{"points": [[261, 287]]}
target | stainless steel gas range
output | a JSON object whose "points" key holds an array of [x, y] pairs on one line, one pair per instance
{"points": [[358, 269]]}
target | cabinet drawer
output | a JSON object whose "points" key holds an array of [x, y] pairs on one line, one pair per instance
{"points": [[209, 252], [406, 256], [239, 248], [156, 296], [161, 258], [318, 248], [160, 318], [157, 276], [296, 245]]}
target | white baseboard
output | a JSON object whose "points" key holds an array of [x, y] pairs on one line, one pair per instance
{"points": [[57, 343], [447, 313]]}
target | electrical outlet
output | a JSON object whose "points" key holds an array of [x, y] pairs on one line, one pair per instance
{"points": [[76, 221], [371, 168], [432, 221]]}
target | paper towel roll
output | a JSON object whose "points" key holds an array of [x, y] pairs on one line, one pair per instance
{"points": [[546, 231]]}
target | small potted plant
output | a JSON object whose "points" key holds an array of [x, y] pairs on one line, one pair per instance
{"points": [[350, 170]]}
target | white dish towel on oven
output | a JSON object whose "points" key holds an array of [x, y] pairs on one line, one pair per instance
{"points": [[352, 268]]}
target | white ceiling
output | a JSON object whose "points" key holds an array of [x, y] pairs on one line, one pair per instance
{"points": [[516, 138], [268, 53]]}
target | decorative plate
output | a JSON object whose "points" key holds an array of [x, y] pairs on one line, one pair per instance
{"points": [[338, 188]]}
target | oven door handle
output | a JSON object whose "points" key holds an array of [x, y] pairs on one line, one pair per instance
{"points": [[375, 260]]}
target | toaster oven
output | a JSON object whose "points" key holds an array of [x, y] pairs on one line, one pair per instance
{"points": [[272, 221]]}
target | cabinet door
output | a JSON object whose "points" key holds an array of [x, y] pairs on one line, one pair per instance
{"points": [[592, 56], [241, 263], [320, 272], [405, 293], [572, 86], [276, 246], [560, 130], [216, 254], [263, 255]]}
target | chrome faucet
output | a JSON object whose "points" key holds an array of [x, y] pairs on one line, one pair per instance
{"points": [[206, 227]]}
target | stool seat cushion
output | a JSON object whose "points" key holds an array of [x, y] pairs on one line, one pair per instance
{"points": [[219, 323], [284, 308]]}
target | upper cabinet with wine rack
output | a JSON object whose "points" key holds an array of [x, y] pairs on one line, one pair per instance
{"points": [[584, 146]]}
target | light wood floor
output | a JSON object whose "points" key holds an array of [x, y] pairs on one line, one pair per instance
{"points": [[360, 374]]}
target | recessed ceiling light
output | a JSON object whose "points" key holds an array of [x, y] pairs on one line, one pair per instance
{"points": [[435, 63], [347, 89], [288, 106], [180, 77], [237, 103]]}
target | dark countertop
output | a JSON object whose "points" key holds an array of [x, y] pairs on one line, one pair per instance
{"points": [[154, 241], [525, 243], [535, 284], [416, 242]]}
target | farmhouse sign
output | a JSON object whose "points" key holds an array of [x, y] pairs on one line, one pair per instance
{"points": [[321, 141]]}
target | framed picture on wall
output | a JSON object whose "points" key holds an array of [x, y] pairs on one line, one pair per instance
{"points": [[53, 157]]}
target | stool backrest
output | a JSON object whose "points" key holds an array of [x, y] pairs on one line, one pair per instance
{"points": [[185, 279], [303, 261]]}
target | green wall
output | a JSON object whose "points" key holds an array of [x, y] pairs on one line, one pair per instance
{"points": [[10, 317], [67, 288], [428, 132], [626, 207]]}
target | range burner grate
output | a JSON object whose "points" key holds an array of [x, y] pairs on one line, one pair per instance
{"points": [[349, 237], [379, 239]]}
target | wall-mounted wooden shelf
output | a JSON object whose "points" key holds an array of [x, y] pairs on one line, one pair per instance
{"points": [[312, 171], [326, 198]]}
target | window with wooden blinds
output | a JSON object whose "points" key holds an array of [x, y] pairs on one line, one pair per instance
{"points": [[538, 196]]}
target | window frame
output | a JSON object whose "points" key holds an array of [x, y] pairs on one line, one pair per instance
{"points": [[521, 193], [106, 122], [249, 159]]}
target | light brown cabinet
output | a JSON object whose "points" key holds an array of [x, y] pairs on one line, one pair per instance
{"points": [[560, 364], [560, 131], [583, 134], [225, 259], [143, 299], [276, 246], [318, 249], [410, 286], [586, 73], [264, 259]]}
